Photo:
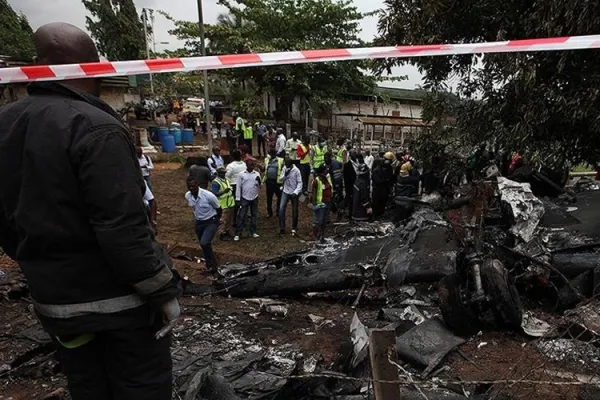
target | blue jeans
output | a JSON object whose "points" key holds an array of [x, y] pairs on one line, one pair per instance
{"points": [[206, 231], [320, 217], [244, 206], [282, 208], [273, 189]]}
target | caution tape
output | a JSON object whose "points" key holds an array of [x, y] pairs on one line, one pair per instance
{"points": [[139, 67]]}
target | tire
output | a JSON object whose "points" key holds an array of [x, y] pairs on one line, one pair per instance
{"points": [[504, 297], [457, 316]]}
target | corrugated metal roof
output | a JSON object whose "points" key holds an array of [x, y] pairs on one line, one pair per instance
{"points": [[394, 121]]}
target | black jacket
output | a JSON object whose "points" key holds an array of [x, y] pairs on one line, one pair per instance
{"points": [[361, 199], [71, 209]]}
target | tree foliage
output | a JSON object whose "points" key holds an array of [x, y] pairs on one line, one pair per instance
{"points": [[283, 25], [546, 102], [117, 29], [16, 35]]}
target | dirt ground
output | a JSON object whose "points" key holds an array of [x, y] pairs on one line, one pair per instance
{"points": [[176, 222], [35, 373]]}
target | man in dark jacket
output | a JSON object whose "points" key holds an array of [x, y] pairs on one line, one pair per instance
{"points": [[361, 199], [383, 180], [100, 285], [336, 170]]}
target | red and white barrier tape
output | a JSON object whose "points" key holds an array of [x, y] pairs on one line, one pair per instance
{"points": [[120, 68]]}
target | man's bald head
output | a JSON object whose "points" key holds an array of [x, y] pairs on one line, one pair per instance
{"points": [[62, 43]]}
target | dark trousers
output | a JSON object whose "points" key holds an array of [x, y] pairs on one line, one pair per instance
{"points": [[282, 208], [261, 145], [119, 365], [273, 188], [206, 231], [381, 195], [231, 143], [305, 172], [236, 208], [241, 221], [248, 142]]}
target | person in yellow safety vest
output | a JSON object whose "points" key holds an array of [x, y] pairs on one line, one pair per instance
{"points": [[272, 178], [248, 137], [321, 196], [240, 125], [317, 157], [304, 156], [342, 153], [221, 188]]}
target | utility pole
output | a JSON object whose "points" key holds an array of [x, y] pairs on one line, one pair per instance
{"points": [[145, 19], [206, 100]]}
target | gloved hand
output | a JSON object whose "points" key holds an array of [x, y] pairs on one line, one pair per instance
{"points": [[170, 313]]}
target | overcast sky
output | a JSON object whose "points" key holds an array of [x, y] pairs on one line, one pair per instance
{"points": [[73, 11]]}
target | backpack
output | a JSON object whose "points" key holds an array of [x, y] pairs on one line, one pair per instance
{"points": [[272, 169]]}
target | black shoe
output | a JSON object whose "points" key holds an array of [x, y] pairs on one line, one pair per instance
{"points": [[282, 231], [225, 237]]}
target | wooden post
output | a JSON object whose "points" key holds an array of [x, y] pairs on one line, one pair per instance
{"points": [[380, 343]]}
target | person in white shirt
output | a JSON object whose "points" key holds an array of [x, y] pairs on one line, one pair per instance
{"points": [[291, 149], [246, 193], [151, 208], [215, 161], [280, 144], [292, 187], [207, 212], [146, 165], [369, 159], [234, 169]]}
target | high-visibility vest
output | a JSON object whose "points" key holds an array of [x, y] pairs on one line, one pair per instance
{"points": [[240, 125], [226, 200], [319, 157], [279, 168], [248, 133], [306, 150], [320, 187], [340, 154]]}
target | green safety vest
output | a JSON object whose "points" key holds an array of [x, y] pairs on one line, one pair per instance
{"points": [[340, 155], [320, 190], [239, 124], [279, 168], [248, 133], [226, 200], [319, 157]]}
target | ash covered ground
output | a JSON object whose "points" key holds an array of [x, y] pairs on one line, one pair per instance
{"points": [[302, 343]]}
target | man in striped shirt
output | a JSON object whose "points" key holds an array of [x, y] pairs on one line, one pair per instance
{"points": [[292, 187]]}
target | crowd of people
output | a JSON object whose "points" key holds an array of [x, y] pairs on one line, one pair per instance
{"points": [[336, 180]]}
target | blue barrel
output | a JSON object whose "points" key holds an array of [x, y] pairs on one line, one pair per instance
{"points": [[187, 136], [153, 132], [168, 144], [177, 134], [162, 132]]}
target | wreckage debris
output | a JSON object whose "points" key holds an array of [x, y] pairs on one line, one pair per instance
{"points": [[427, 344], [526, 209]]}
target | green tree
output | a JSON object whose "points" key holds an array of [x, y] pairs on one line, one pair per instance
{"points": [[16, 35], [117, 29], [545, 102], [283, 25]]}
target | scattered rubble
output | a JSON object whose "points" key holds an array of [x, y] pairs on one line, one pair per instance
{"points": [[434, 279]]}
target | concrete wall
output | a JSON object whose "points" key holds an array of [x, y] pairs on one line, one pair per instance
{"points": [[366, 107], [117, 97]]}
